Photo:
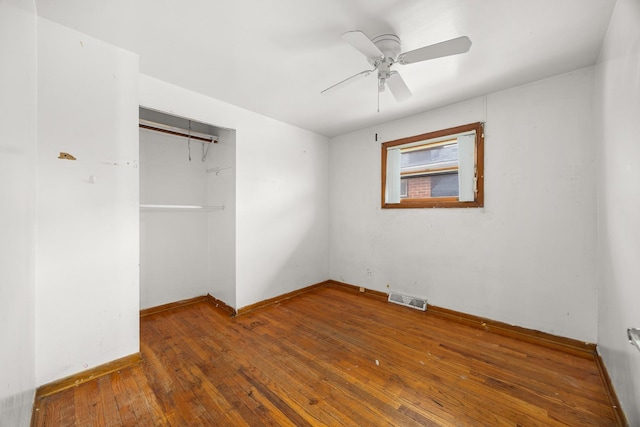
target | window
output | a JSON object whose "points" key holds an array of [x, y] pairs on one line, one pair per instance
{"points": [[435, 170]]}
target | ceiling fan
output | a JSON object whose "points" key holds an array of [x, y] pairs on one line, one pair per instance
{"points": [[383, 52]]}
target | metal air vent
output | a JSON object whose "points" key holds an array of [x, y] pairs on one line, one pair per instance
{"points": [[408, 301]]}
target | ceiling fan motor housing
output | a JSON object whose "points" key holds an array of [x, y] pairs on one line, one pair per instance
{"points": [[389, 45]]}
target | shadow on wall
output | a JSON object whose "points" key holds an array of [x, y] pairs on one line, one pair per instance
{"points": [[293, 232]]}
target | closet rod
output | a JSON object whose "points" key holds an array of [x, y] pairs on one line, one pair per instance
{"points": [[182, 134]]}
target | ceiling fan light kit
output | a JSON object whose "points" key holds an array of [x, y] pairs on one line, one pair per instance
{"points": [[383, 51]]}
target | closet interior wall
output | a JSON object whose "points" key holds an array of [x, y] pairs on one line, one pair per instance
{"points": [[186, 252]]}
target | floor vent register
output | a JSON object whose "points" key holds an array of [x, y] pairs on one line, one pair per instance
{"points": [[408, 301]]}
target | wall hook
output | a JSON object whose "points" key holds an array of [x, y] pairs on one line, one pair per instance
{"points": [[66, 156]]}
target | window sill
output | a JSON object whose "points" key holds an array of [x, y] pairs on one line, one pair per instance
{"points": [[422, 203]]}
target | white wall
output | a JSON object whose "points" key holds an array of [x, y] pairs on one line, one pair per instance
{"points": [[87, 282], [221, 191], [281, 193], [528, 257], [282, 203], [618, 85], [173, 244], [18, 120]]}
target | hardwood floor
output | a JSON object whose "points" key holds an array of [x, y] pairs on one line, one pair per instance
{"points": [[330, 357]]}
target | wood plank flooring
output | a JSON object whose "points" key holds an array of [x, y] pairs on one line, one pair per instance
{"points": [[330, 357]]}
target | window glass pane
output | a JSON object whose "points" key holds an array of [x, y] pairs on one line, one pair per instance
{"points": [[435, 156], [444, 185], [427, 186]]}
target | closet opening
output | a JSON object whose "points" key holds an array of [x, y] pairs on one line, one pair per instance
{"points": [[187, 209]]}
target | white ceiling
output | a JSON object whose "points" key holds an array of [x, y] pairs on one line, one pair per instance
{"points": [[274, 57]]}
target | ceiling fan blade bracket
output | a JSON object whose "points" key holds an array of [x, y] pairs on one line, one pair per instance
{"points": [[375, 62]]}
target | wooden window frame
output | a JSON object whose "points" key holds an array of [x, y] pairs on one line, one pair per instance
{"points": [[439, 202]]}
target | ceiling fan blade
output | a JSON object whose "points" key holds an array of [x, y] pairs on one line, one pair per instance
{"points": [[347, 81], [438, 50], [398, 87], [362, 43]]}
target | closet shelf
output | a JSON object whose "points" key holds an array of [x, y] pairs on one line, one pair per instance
{"points": [[181, 208], [217, 169]]}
